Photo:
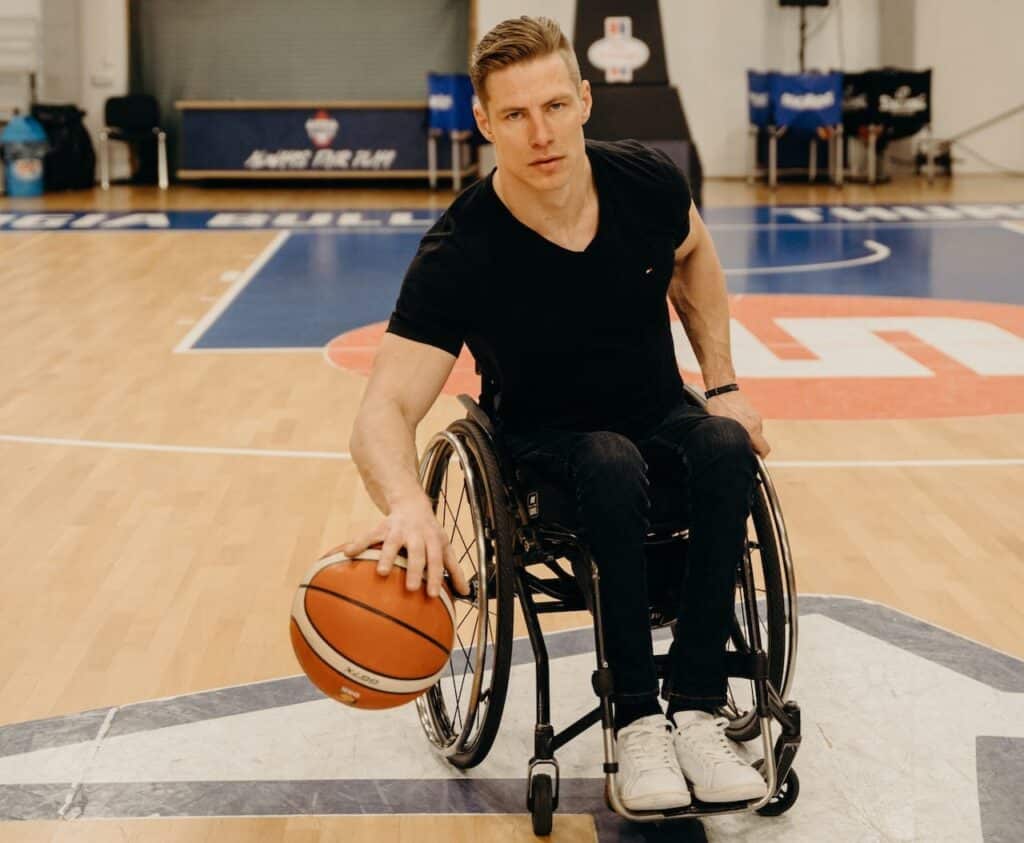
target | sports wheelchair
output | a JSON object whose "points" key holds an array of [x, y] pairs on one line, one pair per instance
{"points": [[510, 530]]}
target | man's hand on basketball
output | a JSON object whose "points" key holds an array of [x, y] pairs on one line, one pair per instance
{"points": [[414, 527], [735, 405]]}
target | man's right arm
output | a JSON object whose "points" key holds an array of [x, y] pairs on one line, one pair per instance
{"points": [[406, 379]]}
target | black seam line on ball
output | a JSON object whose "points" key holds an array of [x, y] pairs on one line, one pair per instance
{"points": [[346, 678], [369, 670], [375, 611]]}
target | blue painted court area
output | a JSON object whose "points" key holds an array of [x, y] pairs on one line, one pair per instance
{"points": [[341, 269], [319, 284], [316, 286]]}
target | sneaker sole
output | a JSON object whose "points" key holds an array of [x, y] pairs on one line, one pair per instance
{"points": [[734, 794], [658, 802]]}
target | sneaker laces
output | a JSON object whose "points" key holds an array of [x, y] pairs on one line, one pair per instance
{"points": [[709, 740], [649, 747]]}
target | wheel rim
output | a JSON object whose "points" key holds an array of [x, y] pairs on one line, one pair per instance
{"points": [[739, 706], [454, 710]]}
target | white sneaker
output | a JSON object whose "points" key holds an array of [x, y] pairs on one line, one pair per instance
{"points": [[649, 777], [708, 760]]}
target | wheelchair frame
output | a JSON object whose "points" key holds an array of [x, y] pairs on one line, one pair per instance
{"points": [[507, 542]]}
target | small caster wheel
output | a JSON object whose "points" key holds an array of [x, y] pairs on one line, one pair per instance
{"points": [[541, 804], [783, 800]]}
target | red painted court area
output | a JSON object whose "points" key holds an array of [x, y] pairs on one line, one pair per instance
{"points": [[836, 357]]}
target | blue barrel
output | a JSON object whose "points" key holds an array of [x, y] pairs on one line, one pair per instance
{"points": [[24, 144]]}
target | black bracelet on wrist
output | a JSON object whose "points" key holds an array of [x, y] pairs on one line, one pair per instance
{"points": [[719, 390]]}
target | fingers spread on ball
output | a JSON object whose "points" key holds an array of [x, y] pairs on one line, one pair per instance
{"points": [[414, 564]]}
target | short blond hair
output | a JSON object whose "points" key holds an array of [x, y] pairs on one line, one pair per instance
{"points": [[517, 40]]}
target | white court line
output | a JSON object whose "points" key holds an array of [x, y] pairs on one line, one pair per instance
{"points": [[74, 788], [255, 349], [878, 251], [176, 449], [342, 455], [811, 226], [1015, 227], [893, 463], [192, 336]]}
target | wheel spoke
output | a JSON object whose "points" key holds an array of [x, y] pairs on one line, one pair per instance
{"points": [[469, 611], [466, 671], [443, 492], [458, 712], [462, 498], [455, 524]]}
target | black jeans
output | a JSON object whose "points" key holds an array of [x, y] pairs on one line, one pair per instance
{"points": [[608, 472]]}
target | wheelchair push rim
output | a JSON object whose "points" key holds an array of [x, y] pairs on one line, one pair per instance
{"points": [[461, 713], [776, 611]]}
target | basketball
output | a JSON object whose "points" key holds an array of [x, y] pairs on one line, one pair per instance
{"points": [[366, 640]]}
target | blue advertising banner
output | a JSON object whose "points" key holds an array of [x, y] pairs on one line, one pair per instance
{"points": [[331, 141]]}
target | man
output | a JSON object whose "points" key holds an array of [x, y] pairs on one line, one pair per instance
{"points": [[554, 271]]}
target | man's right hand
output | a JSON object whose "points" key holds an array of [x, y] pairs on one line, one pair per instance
{"points": [[412, 525]]}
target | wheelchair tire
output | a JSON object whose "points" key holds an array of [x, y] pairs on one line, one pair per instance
{"points": [[464, 729], [784, 797], [541, 804], [744, 725]]}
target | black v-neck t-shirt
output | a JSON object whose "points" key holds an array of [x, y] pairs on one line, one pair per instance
{"points": [[572, 340]]}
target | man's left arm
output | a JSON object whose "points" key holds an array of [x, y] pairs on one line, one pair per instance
{"points": [[698, 294]]}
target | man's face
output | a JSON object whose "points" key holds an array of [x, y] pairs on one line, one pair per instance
{"points": [[534, 118]]}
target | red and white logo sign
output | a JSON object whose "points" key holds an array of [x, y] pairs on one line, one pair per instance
{"points": [[322, 129], [618, 54], [836, 357]]}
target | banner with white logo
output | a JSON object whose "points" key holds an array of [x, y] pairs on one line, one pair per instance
{"points": [[330, 141]]}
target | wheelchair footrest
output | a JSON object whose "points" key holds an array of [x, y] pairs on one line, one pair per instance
{"points": [[788, 742]]}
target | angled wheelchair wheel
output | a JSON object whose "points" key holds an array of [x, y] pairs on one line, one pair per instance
{"points": [[460, 475], [775, 587], [784, 798]]}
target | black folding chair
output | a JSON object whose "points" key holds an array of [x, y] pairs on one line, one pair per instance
{"points": [[134, 119]]}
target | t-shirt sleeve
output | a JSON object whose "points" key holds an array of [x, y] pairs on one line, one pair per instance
{"points": [[676, 193], [431, 306]]}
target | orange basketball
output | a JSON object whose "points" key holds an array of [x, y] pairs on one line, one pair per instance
{"points": [[366, 640]]}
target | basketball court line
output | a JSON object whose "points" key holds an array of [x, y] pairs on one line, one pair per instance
{"points": [[176, 449], [200, 327], [253, 350], [965, 697], [1015, 227], [344, 456], [878, 253]]}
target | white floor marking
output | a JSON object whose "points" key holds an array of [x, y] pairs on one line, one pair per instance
{"points": [[176, 449], [878, 251], [244, 278], [254, 350], [963, 463], [343, 455]]}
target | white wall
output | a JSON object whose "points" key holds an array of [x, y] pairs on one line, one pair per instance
{"points": [[104, 67], [975, 50], [972, 46], [61, 79], [492, 12], [20, 52], [710, 45]]}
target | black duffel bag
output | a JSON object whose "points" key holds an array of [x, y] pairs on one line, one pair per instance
{"points": [[71, 162]]}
